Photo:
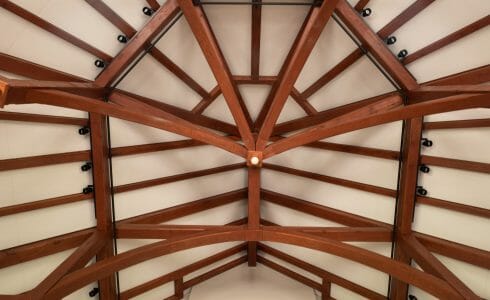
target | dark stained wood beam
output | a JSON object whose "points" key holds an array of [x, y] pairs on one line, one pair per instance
{"points": [[155, 147], [214, 272], [256, 30], [335, 279], [30, 206], [29, 69], [200, 120], [36, 118], [360, 5], [323, 116], [366, 234], [112, 17], [80, 278], [34, 250], [192, 207], [333, 180], [173, 178], [167, 231], [375, 45], [154, 283], [60, 33], [471, 255], [457, 124], [153, 4], [303, 102], [459, 164], [75, 261], [135, 46], [205, 37], [274, 80], [410, 153], [178, 72], [291, 274], [265, 80], [465, 31], [102, 197], [13, 88], [206, 101], [454, 206], [425, 93], [317, 20], [158, 55], [332, 73], [320, 211], [135, 112], [472, 76], [253, 210], [429, 263], [383, 111], [44, 160], [359, 150], [405, 16]]}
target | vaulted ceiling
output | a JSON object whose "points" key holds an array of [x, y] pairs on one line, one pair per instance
{"points": [[148, 146]]}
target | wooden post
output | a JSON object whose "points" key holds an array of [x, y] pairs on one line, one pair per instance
{"points": [[102, 197], [326, 289], [253, 210], [179, 288], [406, 198]]}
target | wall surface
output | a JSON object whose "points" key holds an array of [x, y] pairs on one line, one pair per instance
{"points": [[233, 31]]}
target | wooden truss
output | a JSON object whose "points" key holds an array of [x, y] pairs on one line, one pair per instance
{"points": [[255, 142]]}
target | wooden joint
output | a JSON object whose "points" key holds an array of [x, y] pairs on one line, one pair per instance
{"points": [[254, 159]]}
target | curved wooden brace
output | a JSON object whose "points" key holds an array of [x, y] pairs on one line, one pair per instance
{"points": [[80, 278]]}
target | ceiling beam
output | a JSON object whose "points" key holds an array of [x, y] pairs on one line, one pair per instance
{"points": [[32, 70], [75, 261], [140, 40], [274, 80], [405, 208], [461, 33], [323, 116], [472, 76], [205, 37], [384, 111], [425, 93], [316, 22], [255, 43], [135, 112], [80, 278], [19, 254], [375, 45], [58, 32], [429, 263], [101, 178]]}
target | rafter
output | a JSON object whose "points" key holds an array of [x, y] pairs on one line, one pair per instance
{"points": [[205, 37], [133, 112], [36, 118], [313, 28], [135, 46], [375, 45], [60, 33], [80, 278], [432, 265], [465, 31], [355, 55], [256, 30], [29, 69], [384, 111], [75, 261]]}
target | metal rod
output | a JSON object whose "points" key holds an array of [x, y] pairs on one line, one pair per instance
{"points": [[147, 50], [365, 51], [314, 3]]}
